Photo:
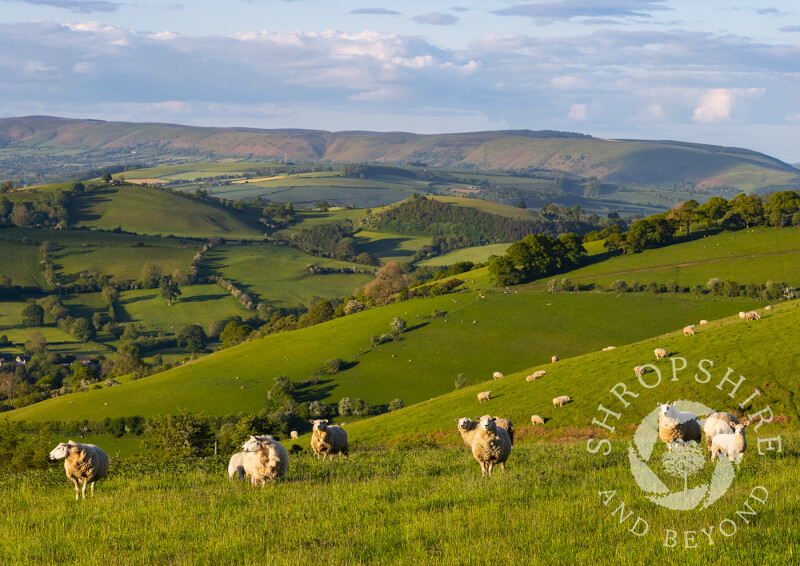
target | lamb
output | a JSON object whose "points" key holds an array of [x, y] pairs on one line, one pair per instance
{"points": [[752, 315], [497, 375], [264, 459], [733, 445], [561, 401], [660, 353], [85, 462], [484, 396], [236, 466], [554, 359], [689, 330], [536, 419], [718, 423], [704, 321], [676, 425], [293, 435], [328, 440], [490, 446]]}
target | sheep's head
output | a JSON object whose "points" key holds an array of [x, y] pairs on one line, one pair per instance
{"points": [[667, 409], [256, 443], [739, 428], [487, 423], [465, 424], [61, 451], [319, 424]]}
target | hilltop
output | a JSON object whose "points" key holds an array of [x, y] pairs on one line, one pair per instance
{"points": [[28, 144]]}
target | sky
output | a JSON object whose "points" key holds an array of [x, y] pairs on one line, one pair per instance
{"points": [[723, 72]]}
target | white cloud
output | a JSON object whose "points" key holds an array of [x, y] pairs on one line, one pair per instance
{"points": [[717, 104], [569, 83], [578, 112], [84, 67]]}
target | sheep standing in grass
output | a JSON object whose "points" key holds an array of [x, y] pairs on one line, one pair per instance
{"points": [[660, 353], [554, 359], [535, 375], [294, 435], [718, 423], [561, 401], [607, 348], [236, 466], [497, 375], [484, 396], [689, 330], [467, 429], [768, 308], [639, 370], [491, 445], [741, 314], [328, 440], [536, 419], [506, 425], [264, 459], [86, 463], [733, 445], [752, 315], [676, 425], [704, 321]]}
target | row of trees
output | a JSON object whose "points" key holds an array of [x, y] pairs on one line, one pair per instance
{"points": [[536, 256]]}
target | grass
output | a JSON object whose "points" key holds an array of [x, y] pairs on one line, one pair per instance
{"points": [[423, 506], [390, 247], [21, 264], [476, 254]]}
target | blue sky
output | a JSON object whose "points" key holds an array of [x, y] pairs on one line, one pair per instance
{"points": [[711, 71]]}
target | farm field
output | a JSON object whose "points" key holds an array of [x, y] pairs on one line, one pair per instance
{"points": [[21, 264], [477, 254], [390, 247]]}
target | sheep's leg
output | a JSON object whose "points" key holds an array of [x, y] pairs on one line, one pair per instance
{"points": [[77, 489], [92, 489], [83, 490], [503, 465]]}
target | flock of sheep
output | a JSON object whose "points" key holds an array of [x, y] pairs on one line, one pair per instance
{"points": [[489, 438]]}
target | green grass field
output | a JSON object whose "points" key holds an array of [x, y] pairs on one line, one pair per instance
{"points": [[21, 264], [390, 247], [477, 254]]}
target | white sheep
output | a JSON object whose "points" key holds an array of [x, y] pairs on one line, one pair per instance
{"points": [[536, 419], [236, 466], [294, 435], [741, 314], [561, 401], [752, 315], [689, 330], [484, 396], [535, 375], [639, 370], [768, 308], [660, 353], [497, 375], [490, 446], [733, 445], [467, 428], [718, 423], [554, 359], [506, 425], [264, 459], [704, 321], [328, 440], [607, 348], [83, 462], [674, 424]]}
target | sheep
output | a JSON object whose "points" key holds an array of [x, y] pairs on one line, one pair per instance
{"points": [[704, 321], [768, 308], [561, 401], [689, 330], [741, 314], [506, 425], [718, 423], [328, 440], [733, 445], [484, 396], [85, 462], [674, 424], [536, 419], [294, 435], [660, 353], [497, 375], [752, 315], [236, 466], [535, 375], [639, 370], [264, 459], [607, 348], [554, 359], [467, 428], [490, 446]]}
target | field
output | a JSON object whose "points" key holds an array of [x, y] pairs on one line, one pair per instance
{"points": [[390, 247], [477, 254], [21, 264], [419, 505]]}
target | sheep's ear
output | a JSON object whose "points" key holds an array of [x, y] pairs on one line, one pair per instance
{"points": [[657, 403], [72, 443], [311, 421], [325, 421]]}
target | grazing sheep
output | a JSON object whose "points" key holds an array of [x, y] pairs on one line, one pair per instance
{"points": [[752, 315], [536, 419], [689, 330], [733, 445], [741, 314], [561, 401], [295, 449], [83, 462], [535, 375], [328, 440], [554, 359], [467, 428], [704, 321], [660, 353], [607, 348], [497, 375], [236, 466], [506, 425], [491, 445], [484, 396], [264, 459], [639, 370], [718, 423], [294, 435], [768, 308], [674, 424]]}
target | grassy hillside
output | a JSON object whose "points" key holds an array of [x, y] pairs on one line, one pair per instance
{"points": [[477, 336], [476, 254], [145, 210]]}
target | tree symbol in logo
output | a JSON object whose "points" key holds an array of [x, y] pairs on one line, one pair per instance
{"points": [[683, 460]]}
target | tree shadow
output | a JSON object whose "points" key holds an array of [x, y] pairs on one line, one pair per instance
{"points": [[317, 391]]}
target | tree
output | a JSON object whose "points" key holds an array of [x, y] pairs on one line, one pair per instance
{"points": [[177, 436], [685, 214], [9, 380], [461, 381], [20, 214], [128, 360], [398, 325], [83, 330], [521, 204], [33, 315], [712, 211], [388, 281], [335, 364], [36, 343], [749, 207], [169, 290], [323, 206], [683, 460], [192, 337], [107, 178], [234, 333], [6, 186], [321, 312], [150, 276], [396, 404], [78, 187], [781, 206], [110, 294]]}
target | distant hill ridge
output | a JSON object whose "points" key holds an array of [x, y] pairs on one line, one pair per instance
{"points": [[664, 163]]}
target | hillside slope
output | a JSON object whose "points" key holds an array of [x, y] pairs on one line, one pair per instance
{"points": [[643, 162]]}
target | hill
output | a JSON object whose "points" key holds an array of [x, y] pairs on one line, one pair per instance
{"points": [[85, 144]]}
